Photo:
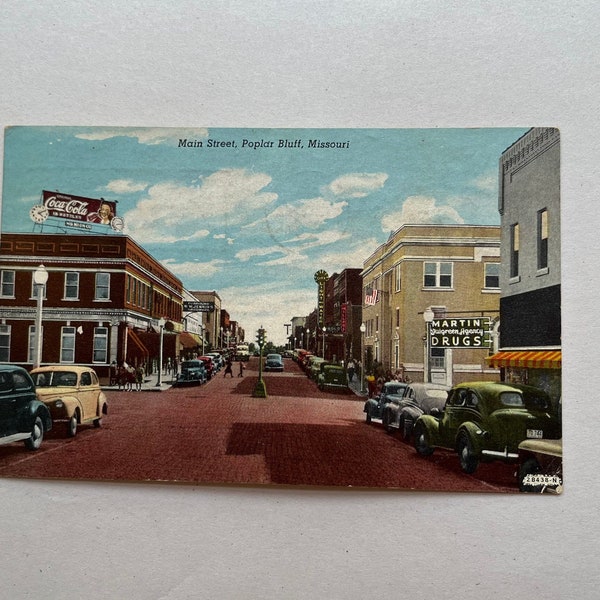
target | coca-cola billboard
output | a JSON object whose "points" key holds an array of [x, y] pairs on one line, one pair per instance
{"points": [[77, 208]]}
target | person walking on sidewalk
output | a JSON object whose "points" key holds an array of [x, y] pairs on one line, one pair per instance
{"points": [[228, 368], [139, 378], [241, 372]]}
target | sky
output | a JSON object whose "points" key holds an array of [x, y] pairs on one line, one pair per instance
{"points": [[254, 213]]}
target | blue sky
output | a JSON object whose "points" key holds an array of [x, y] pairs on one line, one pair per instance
{"points": [[255, 220]]}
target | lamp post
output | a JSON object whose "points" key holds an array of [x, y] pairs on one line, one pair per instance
{"points": [[324, 330], [40, 278], [202, 337], [363, 328], [428, 315], [161, 324]]}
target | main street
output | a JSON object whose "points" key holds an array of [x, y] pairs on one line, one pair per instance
{"points": [[219, 434]]}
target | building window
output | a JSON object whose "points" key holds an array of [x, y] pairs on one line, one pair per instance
{"points": [[398, 278], [100, 344], [542, 239], [397, 317], [67, 345], [4, 343], [492, 275], [7, 284], [438, 358], [71, 286], [102, 286], [438, 274], [514, 250]]}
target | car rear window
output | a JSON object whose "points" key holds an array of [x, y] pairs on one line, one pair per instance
{"points": [[511, 399]]}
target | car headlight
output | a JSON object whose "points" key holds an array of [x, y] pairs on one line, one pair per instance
{"points": [[59, 404]]}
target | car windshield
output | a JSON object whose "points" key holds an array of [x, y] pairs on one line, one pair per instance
{"points": [[55, 379], [393, 389], [273, 356]]}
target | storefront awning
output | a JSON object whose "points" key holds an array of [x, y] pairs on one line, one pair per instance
{"points": [[133, 336], [189, 340], [531, 359]]}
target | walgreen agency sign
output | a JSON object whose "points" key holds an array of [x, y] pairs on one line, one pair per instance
{"points": [[460, 333]]}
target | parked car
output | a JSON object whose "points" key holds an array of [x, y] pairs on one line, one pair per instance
{"points": [[333, 377], [315, 365], [72, 394], [209, 365], [274, 362], [402, 412], [486, 421], [217, 360], [540, 466], [23, 417], [193, 372], [373, 407]]}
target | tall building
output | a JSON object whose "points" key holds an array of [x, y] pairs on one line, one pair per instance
{"points": [[452, 270], [530, 313], [104, 303]]}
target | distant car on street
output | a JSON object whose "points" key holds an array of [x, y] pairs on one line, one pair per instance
{"points": [[274, 362], [23, 417], [484, 421], [332, 377], [193, 372], [373, 407], [72, 394], [401, 412]]}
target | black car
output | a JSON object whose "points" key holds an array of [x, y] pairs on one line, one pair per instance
{"points": [[22, 416], [274, 362], [193, 372], [373, 407]]}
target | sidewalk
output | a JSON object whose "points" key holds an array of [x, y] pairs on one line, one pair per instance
{"points": [[150, 383]]}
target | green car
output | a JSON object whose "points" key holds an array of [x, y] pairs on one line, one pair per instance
{"points": [[333, 376], [484, 421]]}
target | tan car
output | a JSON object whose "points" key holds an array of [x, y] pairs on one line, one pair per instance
{"points": [[72, 394]]}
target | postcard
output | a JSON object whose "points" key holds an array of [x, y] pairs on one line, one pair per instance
{"points": [[346, 308]]}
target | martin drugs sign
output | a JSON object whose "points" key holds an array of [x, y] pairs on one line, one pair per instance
{"points": [[460, 333]]}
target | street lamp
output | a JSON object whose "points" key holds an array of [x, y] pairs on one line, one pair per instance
{"points": [[363, 328], [40, 278], [428, 315], [161, 324], [324, 330]]}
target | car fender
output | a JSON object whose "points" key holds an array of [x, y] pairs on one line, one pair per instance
{"points": [[475, 433], [432, 427], [36, 408]]}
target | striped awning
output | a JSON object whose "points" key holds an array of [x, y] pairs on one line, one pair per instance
{"points": [[535, 359]]}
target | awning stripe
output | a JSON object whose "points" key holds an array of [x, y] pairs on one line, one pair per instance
{"points": [[533, 359], [134, 337]]}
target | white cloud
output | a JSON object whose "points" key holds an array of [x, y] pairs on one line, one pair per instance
{"points": [[178, 210], [420, 210], [357, 185], [124, 186], [192, 268], [487, 182], [150, 136], [303, 214]]}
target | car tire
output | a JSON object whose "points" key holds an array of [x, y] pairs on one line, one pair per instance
{"points": [[405, 429], [386, 423], [422, 444], [72, 426], [368, 416], [34, 441], [468, 460], [97, 423]]}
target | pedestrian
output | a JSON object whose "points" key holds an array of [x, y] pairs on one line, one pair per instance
{"points": [[372, 385], [228, 368], [241, 372], [139, 378], [351, 368], [130, 379]]}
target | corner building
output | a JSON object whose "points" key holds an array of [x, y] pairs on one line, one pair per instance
{"points": [[451, 269], [101, 304]]}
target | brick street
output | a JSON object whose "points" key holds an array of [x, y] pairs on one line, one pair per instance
{"points": [[219, 433]]}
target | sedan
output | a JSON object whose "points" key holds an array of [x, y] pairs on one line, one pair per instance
{"points": [[486, 421], [418, 399], [373, 407], [22, 416], [72, 394], [274, 362]]}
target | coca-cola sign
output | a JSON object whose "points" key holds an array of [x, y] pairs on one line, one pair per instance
{"points": [[77, 208]]}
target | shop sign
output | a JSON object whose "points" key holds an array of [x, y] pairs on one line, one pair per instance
{"points": [[473, 332], [198, 306]]}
